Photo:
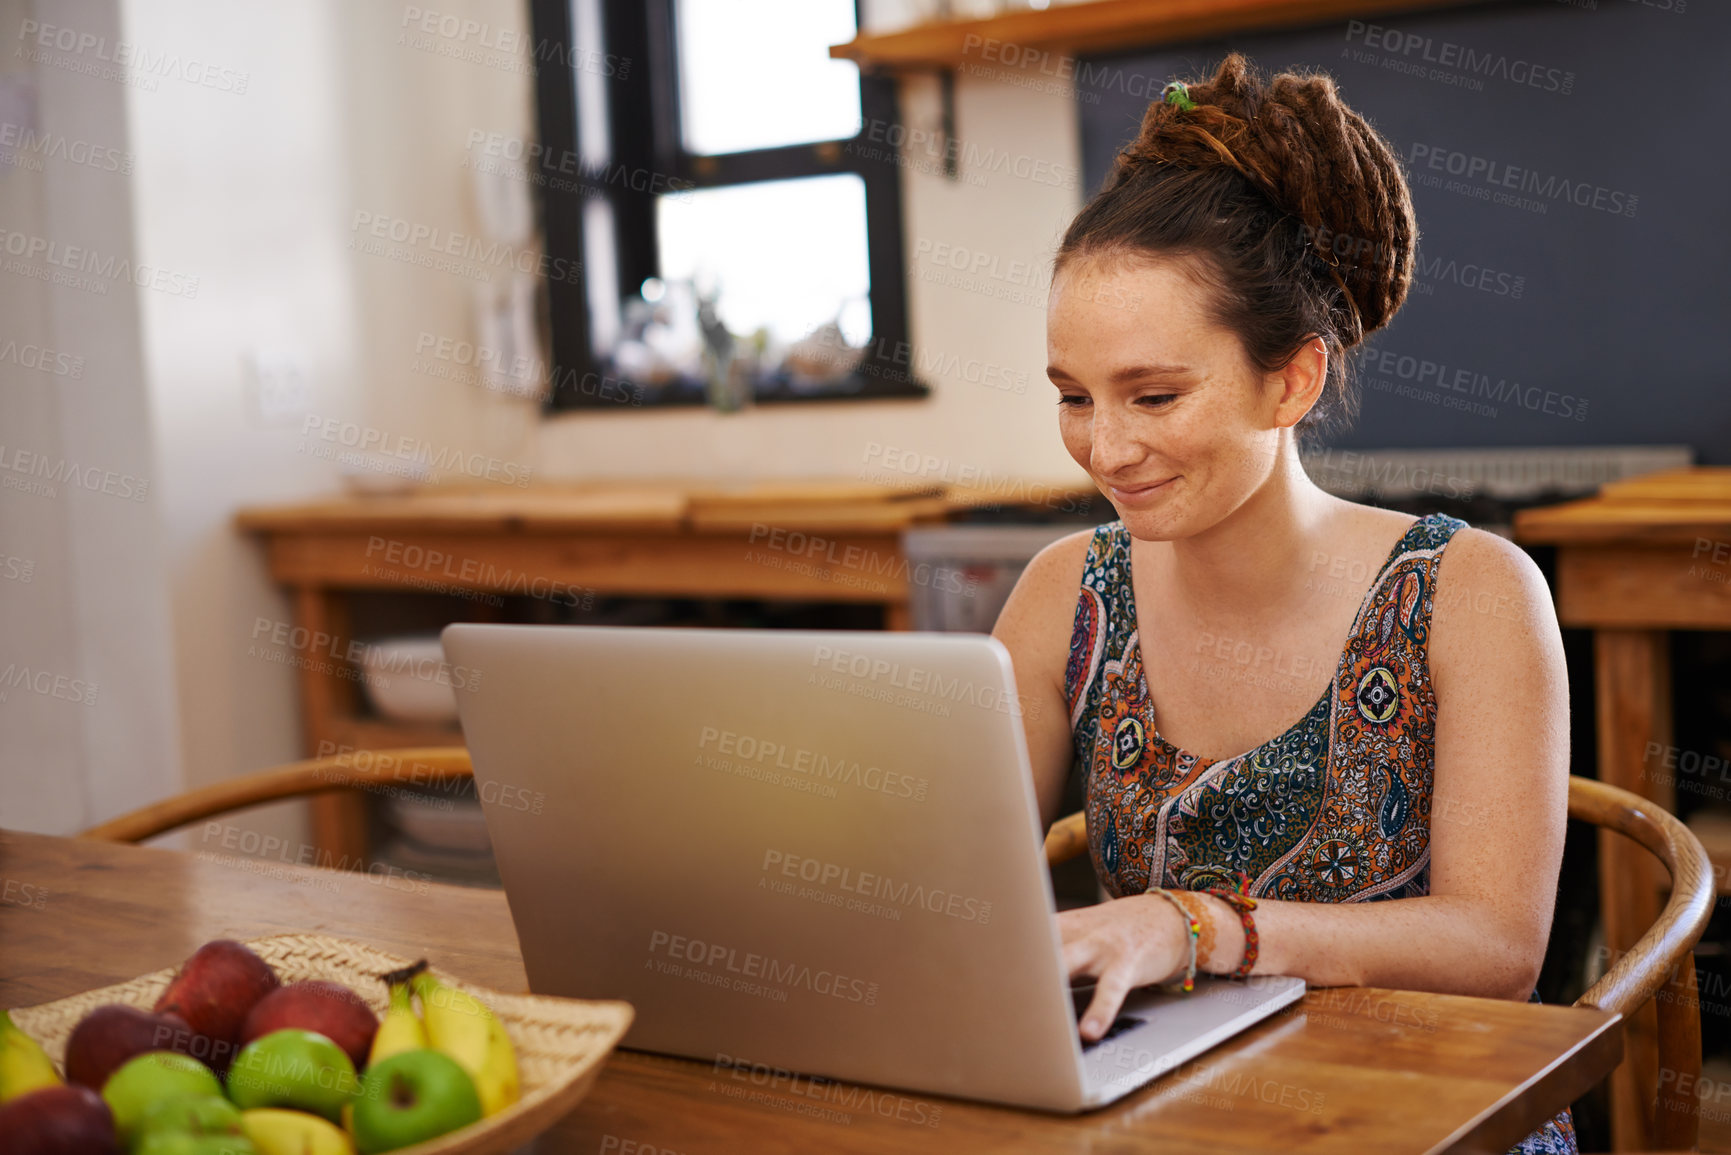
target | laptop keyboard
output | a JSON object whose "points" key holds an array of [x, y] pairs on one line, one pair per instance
{"points": [[1119, 1025], [1080, 996]]}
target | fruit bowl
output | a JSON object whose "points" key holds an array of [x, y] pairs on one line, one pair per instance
{"points": [[560, 1043]]}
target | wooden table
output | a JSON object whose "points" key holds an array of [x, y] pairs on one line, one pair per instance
{"points": [[1348, 1070], [1641, 558], [816, 541]]}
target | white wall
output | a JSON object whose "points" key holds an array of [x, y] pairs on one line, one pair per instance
{"points": [[257, 192], [413, 100], [315, 112], [87, 695], [242, 184]]}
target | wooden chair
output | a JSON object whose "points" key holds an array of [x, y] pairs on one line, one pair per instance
{"points": [[1661, 960], [413, 768]]}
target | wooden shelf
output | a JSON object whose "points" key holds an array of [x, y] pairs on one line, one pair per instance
{"points": [[1101, 26]]}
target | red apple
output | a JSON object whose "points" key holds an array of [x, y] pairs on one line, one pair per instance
{"points": [[63, 1120], [214, 991], [330, 1009], [109, 1035]]}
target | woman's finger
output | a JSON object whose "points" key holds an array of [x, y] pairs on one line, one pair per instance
{"points": [[1109, 993]]}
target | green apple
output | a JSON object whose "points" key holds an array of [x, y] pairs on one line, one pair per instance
{"points": [[302, 1070], [192, 1115], [181, 1143], [145, 1080], [411, 1097]]}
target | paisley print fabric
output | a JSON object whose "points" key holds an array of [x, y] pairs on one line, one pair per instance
{"points": [[1335, 809]]}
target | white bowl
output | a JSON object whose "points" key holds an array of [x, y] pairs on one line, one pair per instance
{"points": [[386, 477], [407, 679], [443, 823]]}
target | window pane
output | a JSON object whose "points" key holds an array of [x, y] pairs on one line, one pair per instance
{"points": [[595, 150], [757, 73], [786, 255], [601, 274]]}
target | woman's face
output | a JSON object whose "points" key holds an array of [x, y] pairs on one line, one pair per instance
{"points": [[1156, 401]]}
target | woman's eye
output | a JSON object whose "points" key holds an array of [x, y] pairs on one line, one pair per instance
{"points": [[1159, 399], [1069, 401]]}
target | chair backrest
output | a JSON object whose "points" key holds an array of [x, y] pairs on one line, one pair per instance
{"points": [[417, 767], [1663, 957]]}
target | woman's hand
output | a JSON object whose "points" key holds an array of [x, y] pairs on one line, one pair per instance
{"points": [[1123, 943]]}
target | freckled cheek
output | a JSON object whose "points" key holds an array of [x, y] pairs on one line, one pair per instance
{"points": [[1185, 441], [1077, 436]]}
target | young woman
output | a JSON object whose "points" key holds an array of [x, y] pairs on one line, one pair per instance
{"points": [[1271, 691]]}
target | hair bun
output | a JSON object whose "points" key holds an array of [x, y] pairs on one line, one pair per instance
{"points": [[1314, 158]]}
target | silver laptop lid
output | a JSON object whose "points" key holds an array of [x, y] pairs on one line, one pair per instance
{"points": [[818, 851]]}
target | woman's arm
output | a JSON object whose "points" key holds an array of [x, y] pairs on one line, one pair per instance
{"points": [[1499, 804], [1034, 626]]}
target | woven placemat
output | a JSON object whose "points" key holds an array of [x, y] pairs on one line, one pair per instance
{"points": [[560, 1043]]}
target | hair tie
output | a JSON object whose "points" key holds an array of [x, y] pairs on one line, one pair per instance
{"points": [[1178, 94]]}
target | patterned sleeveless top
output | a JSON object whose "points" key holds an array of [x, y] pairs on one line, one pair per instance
{"points": [[1335, 809]]}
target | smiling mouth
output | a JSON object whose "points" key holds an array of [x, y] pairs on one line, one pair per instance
{"points": [[1131, 493]]}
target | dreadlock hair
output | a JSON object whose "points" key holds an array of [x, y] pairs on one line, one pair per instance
{"points": [[1288, 206]]}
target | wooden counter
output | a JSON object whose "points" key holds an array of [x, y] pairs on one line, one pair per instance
{"points": [[833, 541], [1641, 558]]}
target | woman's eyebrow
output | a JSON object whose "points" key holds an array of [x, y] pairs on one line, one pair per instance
{"points": [[1130, 372]]}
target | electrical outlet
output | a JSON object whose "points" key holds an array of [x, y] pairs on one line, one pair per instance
{"points": [[279, 383]]}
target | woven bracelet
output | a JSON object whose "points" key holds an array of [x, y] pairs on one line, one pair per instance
{"points": [[1243, 904], [1192, 926]]}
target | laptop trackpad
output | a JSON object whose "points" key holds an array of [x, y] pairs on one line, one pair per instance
{"points": [[1156, 1031]]}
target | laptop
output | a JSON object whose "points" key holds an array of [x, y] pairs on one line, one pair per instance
{"points": [[803, 851]]}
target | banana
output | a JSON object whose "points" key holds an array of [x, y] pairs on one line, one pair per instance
{"points": [[401, 1029], [461, 1026], [280, 1132], [23, 1065]]}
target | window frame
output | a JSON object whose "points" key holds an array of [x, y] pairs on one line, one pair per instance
{"points": [[643, 126]]}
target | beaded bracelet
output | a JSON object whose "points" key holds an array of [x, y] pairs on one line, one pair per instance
{"points": [[1192, 926], [1243, 904]]}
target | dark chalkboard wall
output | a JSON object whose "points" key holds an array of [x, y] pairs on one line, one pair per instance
{"points": [[1571, 168]]}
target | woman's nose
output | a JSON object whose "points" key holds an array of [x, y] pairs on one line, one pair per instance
{"points": [[1113, 447]]}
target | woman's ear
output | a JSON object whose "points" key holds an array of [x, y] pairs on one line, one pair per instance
{"points": [[1299, 382]]}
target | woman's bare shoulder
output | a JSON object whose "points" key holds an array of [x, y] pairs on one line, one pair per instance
{"points": [[1035, 622], [1057, 569], [1484, 579]]}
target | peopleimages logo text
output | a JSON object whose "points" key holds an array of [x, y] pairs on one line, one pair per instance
{"points": [[81, 259], [1497, 174], [1421, 370], [1448, 54], [365, 438], [863, 882], [716, 956], [839, 769], [915, 679]]}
